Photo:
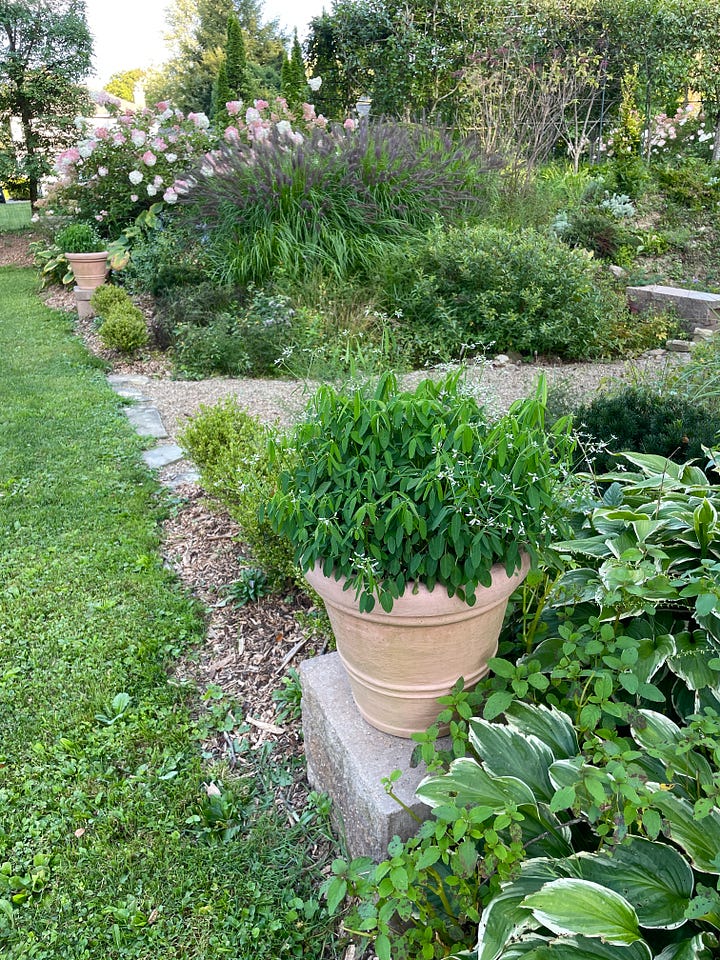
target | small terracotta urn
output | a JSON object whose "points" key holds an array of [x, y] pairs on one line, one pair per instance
{"points": [[90, 269]]}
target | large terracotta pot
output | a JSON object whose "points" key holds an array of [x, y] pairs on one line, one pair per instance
{"points": [[400, 662], [90, 269]]}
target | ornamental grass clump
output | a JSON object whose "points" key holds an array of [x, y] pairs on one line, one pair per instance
{"points": [[329, 203], [392, 488]]}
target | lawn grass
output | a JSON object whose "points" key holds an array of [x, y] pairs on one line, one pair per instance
{"points": [[109, 843], [15, 216]]}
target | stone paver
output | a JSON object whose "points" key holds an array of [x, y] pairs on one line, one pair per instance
{"points": [[694, 306], [147, 422], [162, 456]]}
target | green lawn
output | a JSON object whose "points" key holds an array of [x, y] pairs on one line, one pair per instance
{"points": [[109, 844], [14, 216]]}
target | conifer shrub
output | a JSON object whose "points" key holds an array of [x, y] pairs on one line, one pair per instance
{"points": [[644, 419]]}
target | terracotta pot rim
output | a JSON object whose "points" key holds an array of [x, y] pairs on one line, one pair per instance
{"points": [[434, 606], [100, 255]]}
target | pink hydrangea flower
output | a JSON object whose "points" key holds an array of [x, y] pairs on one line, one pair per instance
{"points": [[102, 133], [103, 171], [138, 137], [162, 105], [149, 158], [261, 104], [349, 124], [170, 196], [158, 181], [234, 107], [134, 197], [200, 120], [159, 144], [231, 134]]}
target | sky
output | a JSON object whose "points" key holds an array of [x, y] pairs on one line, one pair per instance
{"points": [[130, 34]]}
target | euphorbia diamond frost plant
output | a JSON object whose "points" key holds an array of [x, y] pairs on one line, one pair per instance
{"points": [[393, 488]]}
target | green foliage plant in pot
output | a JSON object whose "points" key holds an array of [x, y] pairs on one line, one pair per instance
{"points": [[86, 253], [415, 518]]}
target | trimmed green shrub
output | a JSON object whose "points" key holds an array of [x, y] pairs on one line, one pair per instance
{"points": [[230, 448], [107, 297], [643, 419], [124, 329], [481, 286]]}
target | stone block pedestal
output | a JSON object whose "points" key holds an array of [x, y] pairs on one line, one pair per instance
{"points": [[348, 759], [82, 301]]}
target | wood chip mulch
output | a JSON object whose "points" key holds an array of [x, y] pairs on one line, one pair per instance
{"points": [[248, 649]]}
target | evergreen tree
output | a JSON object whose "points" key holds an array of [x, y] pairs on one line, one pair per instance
{"points": [[238, 80], [293, 79], [221, 92]]}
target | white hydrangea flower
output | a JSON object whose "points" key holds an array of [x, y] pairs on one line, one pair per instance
{"points": [[315, 83], [135, 177]]}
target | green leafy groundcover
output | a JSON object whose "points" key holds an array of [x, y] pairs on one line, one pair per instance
{"points": [[109, 843]]}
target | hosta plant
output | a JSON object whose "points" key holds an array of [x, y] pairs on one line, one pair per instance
{"points": [[579, 816], [392, 487]]}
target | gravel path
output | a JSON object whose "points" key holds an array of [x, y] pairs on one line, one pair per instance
{"points": [[497, 386]]}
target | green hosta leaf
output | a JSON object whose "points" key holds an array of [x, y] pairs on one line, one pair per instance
{"points": [[700, 839], [468, 784], [507, 753], [571, 906], [504, 918], [652, 654], [551, 726], [653, 877], [653, 465], [565, 773]]}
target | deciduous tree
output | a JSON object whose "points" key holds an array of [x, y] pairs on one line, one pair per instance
{"points": [[45, 52]]}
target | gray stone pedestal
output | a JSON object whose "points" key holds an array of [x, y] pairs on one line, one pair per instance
{"points": [[82, 301], [347, 759]]}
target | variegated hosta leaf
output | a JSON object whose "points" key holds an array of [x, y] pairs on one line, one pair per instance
{"points": [[579, 907], [503, 918], [655, 732], [550, 725], [574, 948], [653, 877], [506, 752], [467, 785], [693, 949], [700, 839], [691, 659]]}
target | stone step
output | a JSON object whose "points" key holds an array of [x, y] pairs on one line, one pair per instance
{"points": [[694, 306]]}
